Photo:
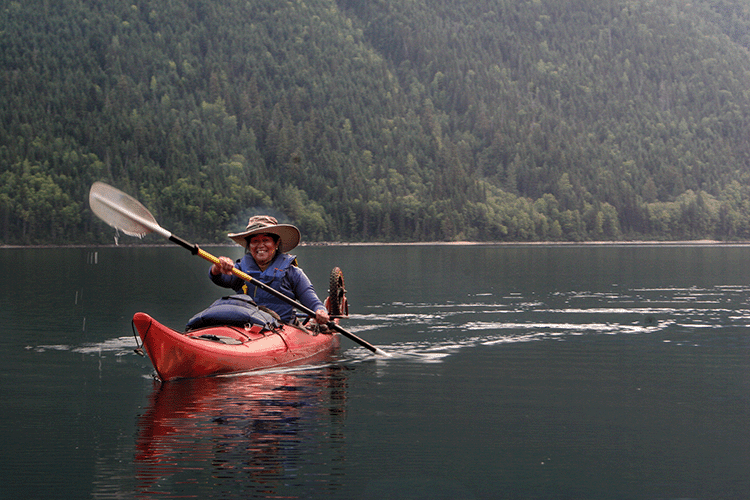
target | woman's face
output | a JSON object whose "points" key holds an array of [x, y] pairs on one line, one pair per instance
{"points": [[262, 247]]}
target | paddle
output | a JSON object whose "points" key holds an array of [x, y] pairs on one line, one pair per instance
{"points": [[126, 214]]}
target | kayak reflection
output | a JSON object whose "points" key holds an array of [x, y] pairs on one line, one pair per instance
{"points": [[241, 435]]}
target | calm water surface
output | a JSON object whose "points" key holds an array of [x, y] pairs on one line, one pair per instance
{"points": [[516, 372]]}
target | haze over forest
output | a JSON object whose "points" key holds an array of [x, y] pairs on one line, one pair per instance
{"points": [[379, 120]]}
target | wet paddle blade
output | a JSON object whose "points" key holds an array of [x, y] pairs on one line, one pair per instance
{"points": [[121, 211]]}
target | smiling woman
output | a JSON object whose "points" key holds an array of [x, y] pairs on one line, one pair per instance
{"points": [[263, 248], [266, 242]]}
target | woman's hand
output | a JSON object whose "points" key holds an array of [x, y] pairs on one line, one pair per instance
{"points": [[224, 266], [321, 317]]}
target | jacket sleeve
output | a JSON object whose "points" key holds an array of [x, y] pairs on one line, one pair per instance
{"points": [[303, 289]]}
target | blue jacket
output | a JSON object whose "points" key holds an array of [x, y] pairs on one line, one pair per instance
{"points": [[282, 275]]}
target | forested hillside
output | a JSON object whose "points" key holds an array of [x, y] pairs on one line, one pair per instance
{"points": [[379, 120]]}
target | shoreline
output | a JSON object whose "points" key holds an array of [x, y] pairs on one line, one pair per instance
{"points": [[612, 243], [543, 243]]}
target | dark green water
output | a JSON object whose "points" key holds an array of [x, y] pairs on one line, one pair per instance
{"points": [[516, 372]]}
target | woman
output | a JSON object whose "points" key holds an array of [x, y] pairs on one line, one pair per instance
{"points": [[266, 259]]}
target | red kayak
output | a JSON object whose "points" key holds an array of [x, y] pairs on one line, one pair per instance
{"points": [[226, 349]]}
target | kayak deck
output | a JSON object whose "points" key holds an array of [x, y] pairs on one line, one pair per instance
{"points": [[227, 349]]}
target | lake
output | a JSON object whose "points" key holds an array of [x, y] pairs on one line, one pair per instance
{"points": [[516, 372]]}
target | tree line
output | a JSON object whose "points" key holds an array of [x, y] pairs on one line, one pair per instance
{"points": [[487, 120]]}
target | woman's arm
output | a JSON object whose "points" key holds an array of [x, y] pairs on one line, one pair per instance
{"points": [[305, 293], [221, 274]]}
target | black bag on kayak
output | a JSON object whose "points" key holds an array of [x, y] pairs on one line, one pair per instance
{"points": [[234, 310]]}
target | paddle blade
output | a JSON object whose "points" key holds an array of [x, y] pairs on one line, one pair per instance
{"points": [[121, 211]]}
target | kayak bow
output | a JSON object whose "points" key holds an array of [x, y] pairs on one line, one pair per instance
{"points": [[227, 349]]}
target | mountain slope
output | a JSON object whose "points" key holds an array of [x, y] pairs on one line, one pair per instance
{"points": [[381, 120]]}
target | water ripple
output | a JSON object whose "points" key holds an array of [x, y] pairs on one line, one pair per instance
{"points": [[490, 320], [559, 317]]}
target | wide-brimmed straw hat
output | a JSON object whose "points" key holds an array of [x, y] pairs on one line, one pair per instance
{"points": [[289, 235]]}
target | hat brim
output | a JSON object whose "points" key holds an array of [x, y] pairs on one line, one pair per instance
{"points": [[289, 236]]}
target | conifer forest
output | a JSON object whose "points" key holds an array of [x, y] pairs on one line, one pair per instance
{"points": [[379, 120]]}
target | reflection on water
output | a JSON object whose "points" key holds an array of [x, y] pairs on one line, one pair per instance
{"points": [[249, 433], [515, 372]]}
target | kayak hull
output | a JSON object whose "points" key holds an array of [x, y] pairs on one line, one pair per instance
{"points": [[226, 349]]}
